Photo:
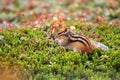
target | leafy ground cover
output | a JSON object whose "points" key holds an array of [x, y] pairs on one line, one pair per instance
{"points": [[34, 56], [28, 53]]}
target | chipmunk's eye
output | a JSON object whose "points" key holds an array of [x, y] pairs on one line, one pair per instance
{"points": [[59, 33]]}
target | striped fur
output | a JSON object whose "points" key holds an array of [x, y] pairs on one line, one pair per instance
{"points": [[75, 37], [79, 43], [80, 38]]}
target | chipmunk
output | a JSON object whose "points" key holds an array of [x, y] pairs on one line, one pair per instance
{"points": [[77, 42]]}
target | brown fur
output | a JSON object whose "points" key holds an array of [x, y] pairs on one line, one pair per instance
{"points": [[76, 45]]}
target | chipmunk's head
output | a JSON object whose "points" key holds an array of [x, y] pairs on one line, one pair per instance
{"points": [[62, 37]]}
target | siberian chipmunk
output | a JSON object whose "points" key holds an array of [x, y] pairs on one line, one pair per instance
{"points": [[76, 42]]}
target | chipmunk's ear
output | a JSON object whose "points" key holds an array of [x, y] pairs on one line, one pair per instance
{"points": [[67, 31]]}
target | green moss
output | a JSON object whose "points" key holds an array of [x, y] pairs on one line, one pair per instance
{"points": [[39, 58]]}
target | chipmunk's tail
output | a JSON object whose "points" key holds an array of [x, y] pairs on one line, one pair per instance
{"points": [[100, 45]]}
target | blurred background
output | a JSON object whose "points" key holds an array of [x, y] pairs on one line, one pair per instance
{"points": [[20, 11]]}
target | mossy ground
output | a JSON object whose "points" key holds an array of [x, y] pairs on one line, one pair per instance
{"points": [[33, 56]]}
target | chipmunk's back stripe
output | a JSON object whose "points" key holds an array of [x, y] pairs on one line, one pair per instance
{"points": [[81, 38], [80, 41]]}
